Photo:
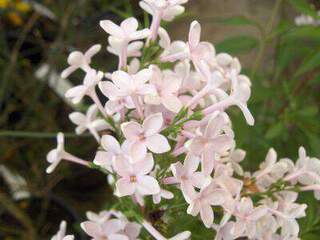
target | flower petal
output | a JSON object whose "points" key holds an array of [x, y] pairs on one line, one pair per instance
{"points": [[157, 143], [147, 185], [152, 124], [125, 187]]}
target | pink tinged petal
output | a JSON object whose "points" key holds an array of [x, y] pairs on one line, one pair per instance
{"points": [[138, 151], [177, 170], [122, 166], [92, 51], [134, 49], [164, 41], [100, 125], [157, 143], [52, 156], [147, 185], [125, 187], [113, 107], [208, 161], [258, 213], [217, 197], [194, 208], [77, 118], [194, 34], [143, 76], [187, 190], [53, 166], [140, 34], [152, 124], [238, 229], [172, 12], [118, 237], [182, 236], [129, 25], [245, 206], [109, 90], [197, 145], [172, 103], [76, 93], [112, 28], [68, 71], [92, 229], [109, 143], [92, 112], [146, 7], [166, 194], [112, 226], [191, 164], [221, 144], [198, 179], [104, 160], [247, 114], [76, 58], [146, 89], [132, 230], [131, 130], [206, 214], [144, 166], [122, 80]]}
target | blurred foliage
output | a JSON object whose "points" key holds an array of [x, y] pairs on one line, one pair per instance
{"points": [[285, 74]]}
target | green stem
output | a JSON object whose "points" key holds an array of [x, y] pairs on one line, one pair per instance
{"points": [[264, 36]]}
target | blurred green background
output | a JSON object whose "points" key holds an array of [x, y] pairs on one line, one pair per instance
{"points": [[282, 60]]}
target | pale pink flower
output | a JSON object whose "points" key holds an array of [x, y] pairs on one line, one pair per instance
{"points": [[55, 156], [165, 10], [146, 135], [110, 150], [234, 156], [89, 122], [61, 234], [110, 230], [213, 141], [100, 217], [306, 170], [202, 201], [246, 218], [290, 211], [156, 198], [187, 176], [270, 170], [223, 178], [239, 96], [167, 85], [133, 49], [90, 82], [122, 35], [78, 60], [194, 50], [124, 85], [134, 178], [223, 232]]}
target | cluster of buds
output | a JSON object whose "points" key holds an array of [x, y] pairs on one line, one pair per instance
{"points": [[166, 111]]}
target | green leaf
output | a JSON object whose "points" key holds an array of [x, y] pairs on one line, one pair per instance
{"points": [[303, 6], [275, 130], [310, 64], [237, 44]]}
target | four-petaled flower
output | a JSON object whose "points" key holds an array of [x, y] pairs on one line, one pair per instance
{"points": [[134, 177], [146, 136]]}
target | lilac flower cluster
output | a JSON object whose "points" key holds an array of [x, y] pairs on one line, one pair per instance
{"points": [[170, 102]]}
